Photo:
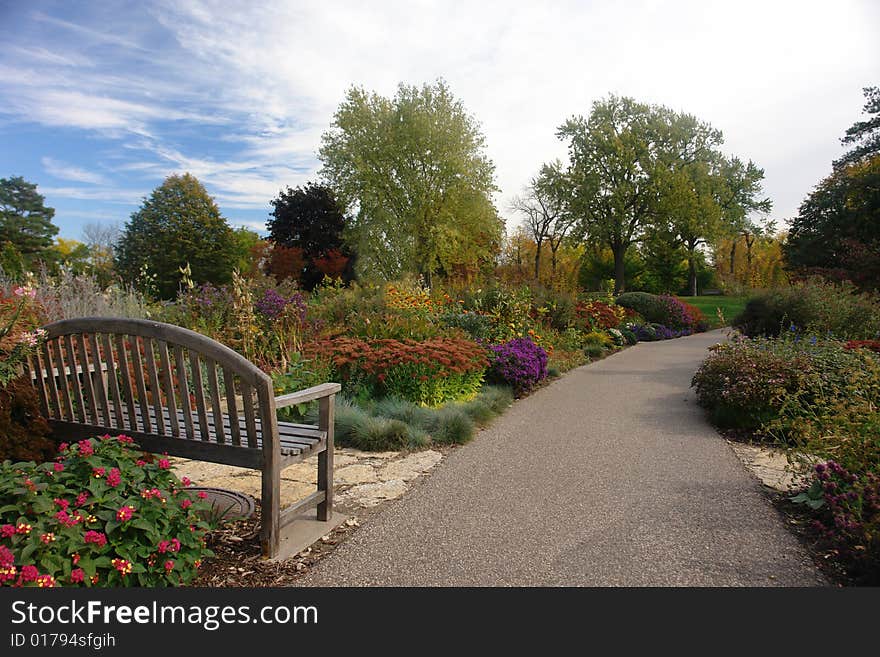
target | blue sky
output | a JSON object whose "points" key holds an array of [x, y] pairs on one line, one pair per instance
{"points": [[100, 101]]}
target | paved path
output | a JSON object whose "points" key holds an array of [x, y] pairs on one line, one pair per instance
{"points": [[609, 476]]}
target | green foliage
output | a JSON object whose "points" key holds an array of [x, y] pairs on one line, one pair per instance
{"points": [[477, 327], [649, 306], [593, 350], [178, 225], [864, 134], [100, 515], [25, 222], [415, 169], [813, 307]]}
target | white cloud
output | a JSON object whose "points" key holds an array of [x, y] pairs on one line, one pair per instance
{"points": [[782, 80], [108, 194], [69, 172]]}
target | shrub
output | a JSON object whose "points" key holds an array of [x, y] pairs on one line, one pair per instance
{"points": [[20, 335], [99, 515], [24, 433], [849, 507], [599, 315], [666, 310], [452, 426], [750, 384], [594, 351], [813, 307], [476, 326], [598, 338], [629, 336], [428, 372], [519, 363], [564, 360]]}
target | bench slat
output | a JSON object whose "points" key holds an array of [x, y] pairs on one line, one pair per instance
{"points": [[214, 389], [232, 405], [100, 388], [32, 365], [247, 396], [199, 392], [125, 373], [150, 357], [88, 389], [183, 386], [112, 380], [141, 386], [54, 402], [168, 381], [62, 381], [74, 379]]}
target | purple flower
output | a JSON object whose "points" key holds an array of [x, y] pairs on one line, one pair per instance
{"points": [[519, 363], [272, 305]]}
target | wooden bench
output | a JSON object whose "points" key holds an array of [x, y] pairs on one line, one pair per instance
{"points": [[180, 393]]}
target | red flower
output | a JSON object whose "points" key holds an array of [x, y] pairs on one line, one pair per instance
{"points": [[125, 513], [97, 538], [62, 503], [186, 481], [7, 530], [23, 528], [85, 448], [163, 546], [75, 558], [164, 464], [175, 545], [186, 504], [29, 573], [202, 495], [63, 446], [122, 565], [114, 478], [169, 566], [7, 559], [77, 576], [82, 498], [126, 440], [97, 473], [58, 467]]}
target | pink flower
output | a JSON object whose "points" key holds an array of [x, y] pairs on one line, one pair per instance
{"points": [[114, 478], [169, 566], [175, 545], [75, 558], [67, 520], [125, 513], [77, 576], [58, 467], [7, 530], [186, 481], [63, 446], [7, 559], [85, 448], [140, 463], [95, 537], [62, 503], [202, 495], [122, 565], [24, 292], [164, 464], [29, 573], [186, 504], [126, 440], [163, 546], [82, 498], [97, 473]]}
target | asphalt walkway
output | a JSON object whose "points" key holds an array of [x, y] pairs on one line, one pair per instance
{"points": [[609, 476]]}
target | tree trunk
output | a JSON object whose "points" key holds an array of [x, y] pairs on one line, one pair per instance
{"points": [[692, 271], [749, 244], [537, 261], [732, 257], [619, 271], [553, 265]]}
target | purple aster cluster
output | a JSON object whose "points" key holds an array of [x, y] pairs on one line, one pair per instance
{"points": [[273, 304], [519, 363]]}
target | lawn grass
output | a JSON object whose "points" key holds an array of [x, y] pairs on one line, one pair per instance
{"points": [[730, 306]]}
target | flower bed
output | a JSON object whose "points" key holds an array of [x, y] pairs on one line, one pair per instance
{"points": [[102, 514], [519, 363], [428, 372]]}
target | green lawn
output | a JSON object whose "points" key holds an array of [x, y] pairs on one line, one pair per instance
{"points": [[730, 306]]}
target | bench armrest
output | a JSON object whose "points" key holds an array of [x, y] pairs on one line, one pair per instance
{"points": [[307, 395]]}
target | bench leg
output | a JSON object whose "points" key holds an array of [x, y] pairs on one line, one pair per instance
{"points": [[270, 508], [325, 458]]}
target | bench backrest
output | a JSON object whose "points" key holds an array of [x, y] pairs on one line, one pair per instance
{"points": [[152, 380]]}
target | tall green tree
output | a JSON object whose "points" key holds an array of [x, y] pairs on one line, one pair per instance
{"points": [[413, 172], [25, 221], [864, 136], [178, 224]]}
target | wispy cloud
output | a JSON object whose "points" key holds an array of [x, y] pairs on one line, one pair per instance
{"points": [[106, 194], [69, 172]]}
